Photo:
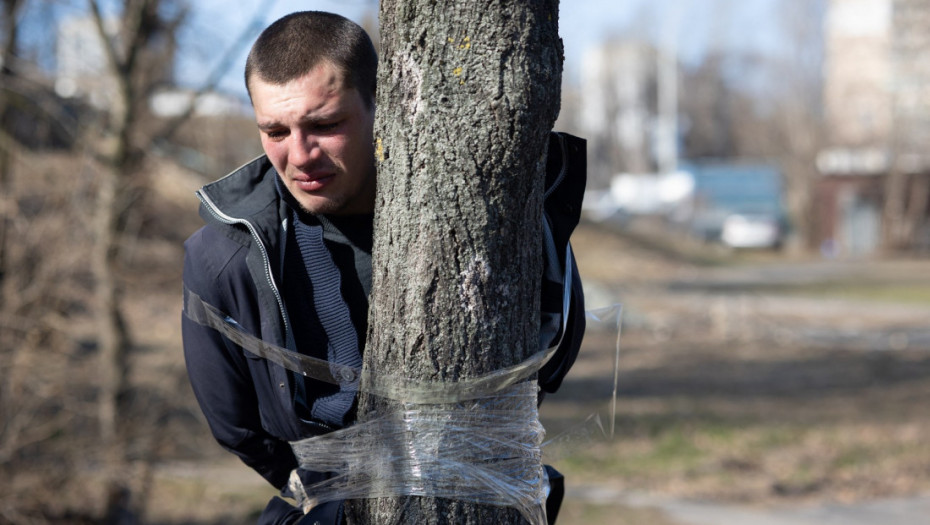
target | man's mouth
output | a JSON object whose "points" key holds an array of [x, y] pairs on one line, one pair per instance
{"points": [[313, 181]]}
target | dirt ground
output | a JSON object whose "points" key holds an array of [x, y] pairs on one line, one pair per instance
{"points": [[741, 380], [732, 387]]}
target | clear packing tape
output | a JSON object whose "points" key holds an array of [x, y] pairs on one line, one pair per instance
{"points": [[477, 440]]}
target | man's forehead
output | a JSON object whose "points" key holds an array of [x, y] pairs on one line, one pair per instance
{"points": [[322, 70], [307, 99]]}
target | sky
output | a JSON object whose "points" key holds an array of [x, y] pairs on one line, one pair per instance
{"points": [[701, 25]]}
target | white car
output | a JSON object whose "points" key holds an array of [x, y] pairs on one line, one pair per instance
{"points": [[744, 230]]}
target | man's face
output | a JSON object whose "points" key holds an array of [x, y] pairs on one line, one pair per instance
{"points": [[318, 135]]}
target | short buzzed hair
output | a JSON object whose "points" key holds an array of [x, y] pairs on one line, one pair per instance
{"points": [[292, 46]]}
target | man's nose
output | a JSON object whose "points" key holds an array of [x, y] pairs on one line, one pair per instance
{"points": [[303, 150]]}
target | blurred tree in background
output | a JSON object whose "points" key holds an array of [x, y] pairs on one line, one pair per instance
{"points": [[92, 179]]}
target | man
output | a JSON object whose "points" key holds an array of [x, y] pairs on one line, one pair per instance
{"points": [[286, 253]]}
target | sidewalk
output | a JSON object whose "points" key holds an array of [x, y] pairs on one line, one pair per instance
{"points": [[898, 511], [914, 511]]}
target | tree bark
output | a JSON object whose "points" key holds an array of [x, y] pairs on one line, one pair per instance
{"points": [[468, 92]]}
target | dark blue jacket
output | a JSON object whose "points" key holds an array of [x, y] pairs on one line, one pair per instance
{"points": [[234, 262]]}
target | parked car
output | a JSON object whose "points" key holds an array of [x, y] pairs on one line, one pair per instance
{"points": [[745, 230]]}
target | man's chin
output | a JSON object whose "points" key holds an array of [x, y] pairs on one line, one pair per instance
{"points": [[325, 206], [320, 207]]}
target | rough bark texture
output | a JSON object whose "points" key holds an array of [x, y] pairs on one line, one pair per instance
{"points": [[467, 94]]}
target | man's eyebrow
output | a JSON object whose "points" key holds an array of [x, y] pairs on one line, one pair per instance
{"points": [[322, 116], [306, 119]]}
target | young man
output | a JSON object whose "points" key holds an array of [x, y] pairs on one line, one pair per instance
{"points": [[286, 253]]}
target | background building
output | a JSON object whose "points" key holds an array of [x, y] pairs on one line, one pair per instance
{"points": [[619, 109], [875, 188]]}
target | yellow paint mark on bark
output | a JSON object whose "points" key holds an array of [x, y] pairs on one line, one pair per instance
{"points": [[457, 71], [379, 150]]}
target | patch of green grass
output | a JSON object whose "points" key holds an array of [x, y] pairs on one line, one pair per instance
{"points": [[671, 449], [853, 457], [674, 449], [774, 437], [720, 432]]}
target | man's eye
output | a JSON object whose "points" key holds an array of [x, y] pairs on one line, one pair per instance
{"points": [[276, 134], [326, 126]]}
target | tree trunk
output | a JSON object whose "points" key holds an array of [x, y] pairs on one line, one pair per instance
{"points": [[917, 204], [113, 338], [894, 211], [798, 191], [468, 92], [11, 37], [905, 209]]}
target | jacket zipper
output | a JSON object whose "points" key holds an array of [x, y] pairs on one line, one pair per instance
{"points": [[226, 219]]}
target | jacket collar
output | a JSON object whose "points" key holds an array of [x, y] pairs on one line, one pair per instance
{"points": [[248, 194]]}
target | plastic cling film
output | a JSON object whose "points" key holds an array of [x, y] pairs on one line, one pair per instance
{"points": [[392, 387], [606, 324], [482, 451], [610, 318], [477, 440]]}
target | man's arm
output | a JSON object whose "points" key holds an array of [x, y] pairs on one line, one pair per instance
{"points": [[220, 372], [566, 176], [551, 375]]}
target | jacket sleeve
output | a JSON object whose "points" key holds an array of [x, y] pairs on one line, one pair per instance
{"points": [[554, 371], [280, 512], [566, 177], [219, 372]]}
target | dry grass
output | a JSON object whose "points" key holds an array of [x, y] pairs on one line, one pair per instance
{"points": [[721, 410]]}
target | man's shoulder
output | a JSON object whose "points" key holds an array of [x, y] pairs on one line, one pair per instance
{"points": [[211, 250]]}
